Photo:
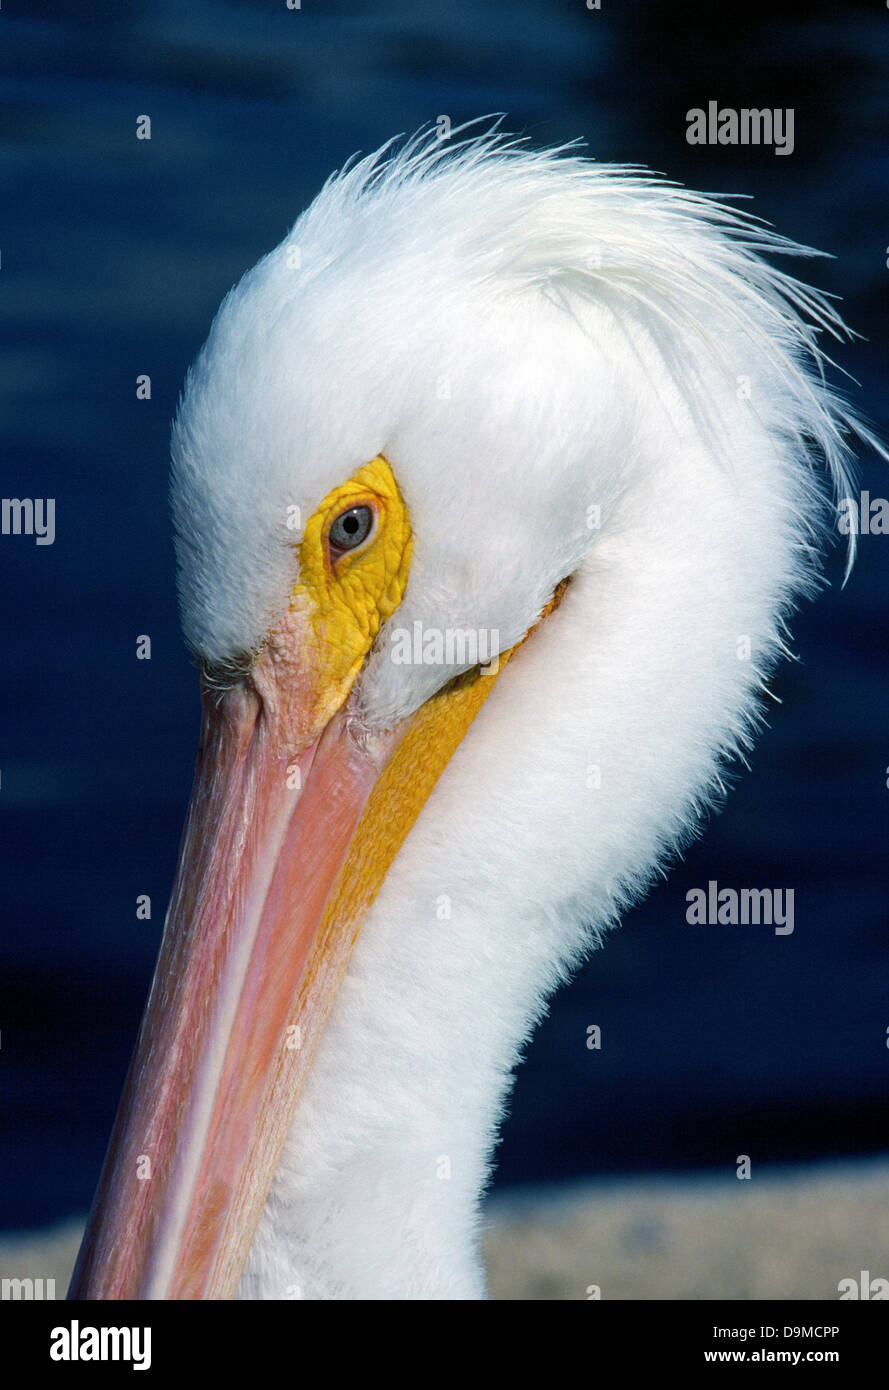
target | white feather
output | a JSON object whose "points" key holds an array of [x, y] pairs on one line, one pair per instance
{"points": [[535, 342]]}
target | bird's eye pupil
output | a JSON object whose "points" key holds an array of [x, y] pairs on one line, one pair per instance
{"points": [[351, 528]]}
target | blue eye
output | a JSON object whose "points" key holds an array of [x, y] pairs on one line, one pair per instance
{"points": [[351, 528]]}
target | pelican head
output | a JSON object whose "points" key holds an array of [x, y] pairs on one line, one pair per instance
{"points": [[494, 486]]}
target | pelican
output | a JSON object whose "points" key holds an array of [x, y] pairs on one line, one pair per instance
{"points": [[494, 487]]}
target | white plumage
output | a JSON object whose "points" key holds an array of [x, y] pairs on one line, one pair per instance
{"points": [[573, 370]]}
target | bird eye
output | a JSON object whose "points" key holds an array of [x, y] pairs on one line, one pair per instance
{"points": [[351, 528]]}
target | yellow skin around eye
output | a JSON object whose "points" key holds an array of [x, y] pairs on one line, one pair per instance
{"points": [[346, 600]]}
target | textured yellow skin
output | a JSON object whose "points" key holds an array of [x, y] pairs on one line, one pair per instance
{"points": [[346, 600]]}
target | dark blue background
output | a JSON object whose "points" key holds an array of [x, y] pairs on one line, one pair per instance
{"points": [[115, 254]]}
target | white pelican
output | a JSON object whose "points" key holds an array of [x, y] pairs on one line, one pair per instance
{"points": [[484, 391]]}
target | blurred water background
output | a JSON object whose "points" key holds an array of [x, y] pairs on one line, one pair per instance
{"points": [[115, 254]]}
